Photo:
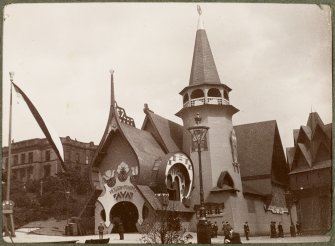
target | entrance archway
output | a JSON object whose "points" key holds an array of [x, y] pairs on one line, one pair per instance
{"points": [[125, 212]]}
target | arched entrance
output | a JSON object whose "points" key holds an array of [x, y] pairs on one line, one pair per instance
{"points": [[125, 212]]}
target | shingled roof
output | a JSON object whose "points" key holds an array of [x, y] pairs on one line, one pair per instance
{"points": [[203, 69], [167, 133], [146, 149], [255, 147], [261, 157]]}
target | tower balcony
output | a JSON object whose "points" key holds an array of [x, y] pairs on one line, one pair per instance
{"points": [[206, 100]]}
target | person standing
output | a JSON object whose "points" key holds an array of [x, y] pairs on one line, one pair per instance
{"points": [[121, 230], [280, 230], [101, 230], [232, 237], [298, 226], [246, 230], [215, 230]]}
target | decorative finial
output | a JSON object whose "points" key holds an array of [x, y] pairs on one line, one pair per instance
{"points": [[199, 9], [11, 76], [111, 71], [200, 22]]}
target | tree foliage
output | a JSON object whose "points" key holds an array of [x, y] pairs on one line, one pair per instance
{"points": [[46, 198], [166, 229]]}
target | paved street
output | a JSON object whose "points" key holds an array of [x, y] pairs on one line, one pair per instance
{"points": [[25, 235]]}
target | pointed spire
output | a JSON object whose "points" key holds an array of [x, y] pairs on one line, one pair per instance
{"points": [[112, 87], [203, 69]]}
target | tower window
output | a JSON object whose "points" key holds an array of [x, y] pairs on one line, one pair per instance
{"points": [[197, 94], [225, 95], [213, 92], [186, 98]]}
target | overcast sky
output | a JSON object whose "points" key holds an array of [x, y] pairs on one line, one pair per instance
{"points": [[275, 57]]}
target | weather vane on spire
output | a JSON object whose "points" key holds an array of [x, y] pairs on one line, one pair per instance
{"points": [[199, 9]]}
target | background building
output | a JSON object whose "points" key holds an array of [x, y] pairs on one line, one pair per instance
{"points": [[34, 159], [310, 162]]}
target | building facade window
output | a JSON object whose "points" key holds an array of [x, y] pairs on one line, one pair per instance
{"points": [[251, 206], [30, 157], [23, 158], [22, 173], [30, 172], [47, 170], [77, 158], [47, 155], [15, 159]]}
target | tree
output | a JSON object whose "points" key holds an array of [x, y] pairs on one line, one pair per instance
{"points": [[166, 229]]}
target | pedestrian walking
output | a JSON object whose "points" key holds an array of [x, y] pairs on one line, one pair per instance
{"points": [[246, 230], [280, 230], [101, 230]]}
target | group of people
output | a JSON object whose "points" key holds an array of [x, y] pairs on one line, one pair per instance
{"points": [[214, 230], [120, 230], [273, 230], [230, 236]]}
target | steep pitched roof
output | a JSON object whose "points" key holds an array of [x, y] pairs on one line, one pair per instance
{"points": [[149, 195], [314, 120], [255, 147], [290, 156], [328, 130], [307, 130], [168, 133], [306, 154], [203, 69], [146, 149], [295, 135], [261, 187]]}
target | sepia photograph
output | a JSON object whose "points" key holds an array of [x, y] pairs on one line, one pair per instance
{"points": [[166, 123]]}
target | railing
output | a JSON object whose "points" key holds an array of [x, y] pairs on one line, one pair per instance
{"points": [[208, 100]]}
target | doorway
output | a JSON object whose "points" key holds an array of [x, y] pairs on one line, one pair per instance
{"points": [[127, 213]]}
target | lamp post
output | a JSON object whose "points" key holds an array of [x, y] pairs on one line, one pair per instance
{"points": [[67, 195], [198, 133], [289, 196]]}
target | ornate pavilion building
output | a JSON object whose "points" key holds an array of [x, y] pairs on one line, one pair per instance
{"points": [[310, 162], [138, 173]]}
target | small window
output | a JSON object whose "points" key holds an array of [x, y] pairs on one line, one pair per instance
{"points": [[22, 173], [15, 159], [251, 206], [30, 172], [87, 160], [77, 157], [47, 170], [47, 155], [186, 98], [225, 95], [23, 158], [30, 157]]}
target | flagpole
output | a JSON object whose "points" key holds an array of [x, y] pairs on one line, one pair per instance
{"points": [[9, 139], [8, 204]]}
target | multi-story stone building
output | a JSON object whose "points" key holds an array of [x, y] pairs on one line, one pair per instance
{"points": [[310, 162], [243, 167], [34, 159]]}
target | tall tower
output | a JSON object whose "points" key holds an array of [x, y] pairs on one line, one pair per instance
{"points": [[206, 95]]}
